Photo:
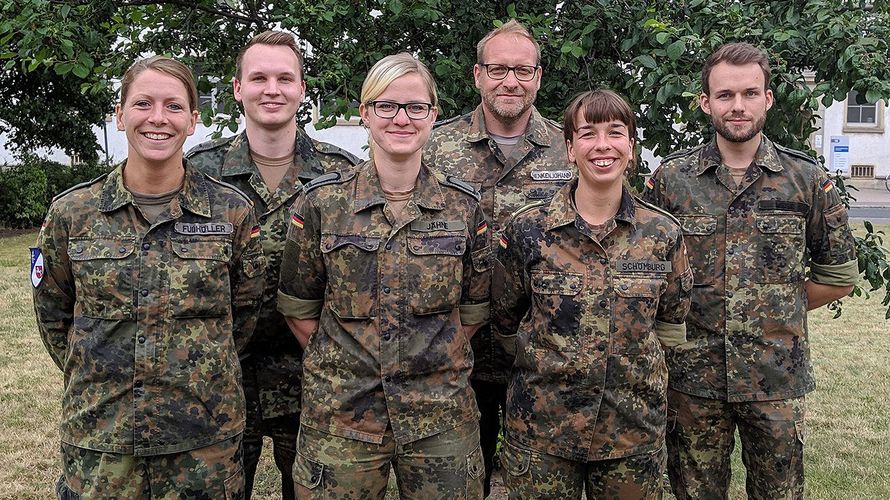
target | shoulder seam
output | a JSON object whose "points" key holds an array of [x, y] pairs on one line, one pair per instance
{"points": [[79, 186], [796, 153], [460, 185], [657, 209], [208, 145], [230, 186], [336, 177], [680, 153]]}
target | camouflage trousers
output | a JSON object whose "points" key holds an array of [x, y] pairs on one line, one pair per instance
{"points": [[701, 438], [532, 475], [212, 472], [447, 466], [491, 397], [283, 432]]}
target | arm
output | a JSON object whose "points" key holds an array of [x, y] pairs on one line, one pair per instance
{"points": [[303, 277], [248, 271], [476, 287], [673, 306], [510, 293], [54, 295], [834, 268]]}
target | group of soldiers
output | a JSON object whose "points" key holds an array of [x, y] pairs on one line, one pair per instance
{"points": [[631, 344]]}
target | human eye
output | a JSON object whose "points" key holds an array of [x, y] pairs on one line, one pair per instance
{"points": [[752, 93], [416, 108], [175, 106], [525, 71], [141, 103], [497, 70], [385, 106]]}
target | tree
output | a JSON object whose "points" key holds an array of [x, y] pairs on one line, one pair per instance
{"points": [[649, 50]]}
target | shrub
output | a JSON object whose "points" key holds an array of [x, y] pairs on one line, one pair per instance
{"points": [[27, 189]]}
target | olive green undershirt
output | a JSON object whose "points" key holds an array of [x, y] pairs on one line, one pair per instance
{"points": [[272, 170], [152, 205]]}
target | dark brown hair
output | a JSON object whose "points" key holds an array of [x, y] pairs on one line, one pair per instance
{"points": [[597, 106], [737, 54]]}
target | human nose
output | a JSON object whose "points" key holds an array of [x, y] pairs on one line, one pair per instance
{"points": [[601, 143], [158, 115], [271, 86], [401, 117]]}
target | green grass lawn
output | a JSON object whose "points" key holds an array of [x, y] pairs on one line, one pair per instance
{"points": [[848, 417]]}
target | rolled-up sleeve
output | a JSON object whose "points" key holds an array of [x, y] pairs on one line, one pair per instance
{"points": [[303, 277]]}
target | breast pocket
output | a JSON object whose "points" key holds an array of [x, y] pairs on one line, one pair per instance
{"points": [[199, 278], [435, 272], [780, 248], [557, 296], [103, 275], [636, 305], [351, 262], [699, 233]]}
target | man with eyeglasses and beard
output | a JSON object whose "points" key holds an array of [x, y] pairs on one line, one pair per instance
{"points": [[513, 156]]}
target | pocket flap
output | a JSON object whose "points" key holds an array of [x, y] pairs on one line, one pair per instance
{"points": [[836, 216], [698, 224], [516, 461], [778, 224], [437, 245], [307, 472], [220, 250], [556, 283], [637, 287], [101, 248], [331, 242]]}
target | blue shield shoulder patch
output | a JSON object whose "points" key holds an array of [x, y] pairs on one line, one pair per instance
{"points": [[37, 270]]}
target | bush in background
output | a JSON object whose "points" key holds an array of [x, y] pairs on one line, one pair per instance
{"points": [[27, 189]]}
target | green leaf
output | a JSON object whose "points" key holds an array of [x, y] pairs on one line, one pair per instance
{"points": [[676, 50], [662, 37], [872, 96], [63, 68], [64, 10], [80, 71], [781, 36], [647, 61]]}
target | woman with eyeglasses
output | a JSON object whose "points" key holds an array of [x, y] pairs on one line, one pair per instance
{"points": [[384, 280]]}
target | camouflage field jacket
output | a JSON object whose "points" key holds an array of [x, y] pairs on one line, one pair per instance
{"points": [[589, 321], [145, 320], [391, 293], [749, 248], [273, 355], [537, 168]]}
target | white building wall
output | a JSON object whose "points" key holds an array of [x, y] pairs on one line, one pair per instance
{"points": [[866, 148]]}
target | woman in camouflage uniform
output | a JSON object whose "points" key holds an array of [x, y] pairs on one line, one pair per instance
{"points": [[590, 287], [384, 280], [146, 283]]}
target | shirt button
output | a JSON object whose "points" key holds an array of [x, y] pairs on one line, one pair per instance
{"points": [[603, 303], [601, 347], [146, 245], [388, 246], [604, 261], [729, 294], [183, 249], [730, 251], [141, 339], [122, 250], [387, 379], [137, 384], [596, 390], [385, 336], [386, 289], [145, 292], [79, 250]]}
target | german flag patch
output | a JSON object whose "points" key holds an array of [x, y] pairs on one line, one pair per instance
{"points": [[503, 242], [650, 183], [827, 185], [255, 232], [481, 228], [297, 220]]}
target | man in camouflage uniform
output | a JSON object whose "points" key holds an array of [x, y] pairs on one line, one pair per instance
{"points": [[145, 320], [386, 371], [596, 288], [509, 152], [269, 84], [755, 216]]}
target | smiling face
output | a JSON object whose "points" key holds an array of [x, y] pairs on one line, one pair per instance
{"points": [[271, 88], [400, 138], [737, 101], [156, 118], [601, 151], [508, 100]]}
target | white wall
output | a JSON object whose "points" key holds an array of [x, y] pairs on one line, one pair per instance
{"points": [[865, 148]]}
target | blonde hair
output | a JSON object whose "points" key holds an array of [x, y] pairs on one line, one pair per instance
{"points": [[275, 38], [511, 27], [166, 65], [391, 68]]}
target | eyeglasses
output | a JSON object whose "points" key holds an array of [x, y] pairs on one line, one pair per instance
{"points": [[389, 109], [499, 71]]}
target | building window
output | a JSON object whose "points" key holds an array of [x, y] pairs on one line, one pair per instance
{"points": [[862, 116], [860, 112], [862, 171]]}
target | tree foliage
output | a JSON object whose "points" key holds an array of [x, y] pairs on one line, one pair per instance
{"points": [[649, 50]]}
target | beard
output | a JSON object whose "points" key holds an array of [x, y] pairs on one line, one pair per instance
{"points": [[509, 112], [738, 136]]}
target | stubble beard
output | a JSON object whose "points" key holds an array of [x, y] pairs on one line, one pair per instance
{"points": [[727, 133], [508, 114]]}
